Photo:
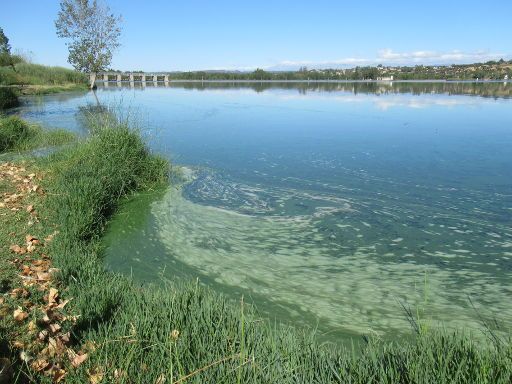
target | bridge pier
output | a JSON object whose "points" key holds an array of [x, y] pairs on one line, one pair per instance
{"points": [[117, 77]]}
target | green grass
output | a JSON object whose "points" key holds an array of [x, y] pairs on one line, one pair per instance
{"points": [[35, 79], [18, 135], [36, 74], [13, 131], [188, 333]]}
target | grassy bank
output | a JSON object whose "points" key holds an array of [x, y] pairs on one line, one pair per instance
{"points": [[185, 332], [30, 79], [19, 135]]}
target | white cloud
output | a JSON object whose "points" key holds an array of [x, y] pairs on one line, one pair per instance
{"points": [[384, 56], [345, 61], [428, 57], [390, 57]]}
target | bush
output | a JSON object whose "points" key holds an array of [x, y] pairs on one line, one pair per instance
{"points": [[13, 131], [8, 98]]}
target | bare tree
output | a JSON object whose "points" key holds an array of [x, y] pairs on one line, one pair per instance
{"points": [[92, 32]]}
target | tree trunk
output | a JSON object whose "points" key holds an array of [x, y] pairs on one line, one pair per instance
{"points": [[95, 96], [92, 78]]}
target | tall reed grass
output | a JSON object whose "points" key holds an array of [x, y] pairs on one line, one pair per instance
{"points": [[35, 74]]}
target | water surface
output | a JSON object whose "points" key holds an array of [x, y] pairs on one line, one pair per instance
{"points": [[330, 205]]}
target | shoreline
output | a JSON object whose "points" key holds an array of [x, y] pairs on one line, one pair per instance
{"points": [[306, 81]]}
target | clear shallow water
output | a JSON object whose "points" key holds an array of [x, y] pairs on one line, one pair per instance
{"points": [[326, 204]]}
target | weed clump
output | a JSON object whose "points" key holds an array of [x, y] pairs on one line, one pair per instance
{"points": [[18, 135], [13, 131]]}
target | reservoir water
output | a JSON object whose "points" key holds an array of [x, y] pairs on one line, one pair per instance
{"points": [[339, 206]]}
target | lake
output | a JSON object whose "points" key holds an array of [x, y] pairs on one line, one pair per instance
{"points": [[339, 206]]}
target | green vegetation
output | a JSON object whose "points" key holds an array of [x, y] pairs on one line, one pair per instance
{"points": [[35, 74], [492, 70], [90, 49], [13, 131], [185, 332], [18, 135], [34, 79], [22, 77]]}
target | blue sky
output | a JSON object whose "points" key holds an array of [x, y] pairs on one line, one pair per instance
{"points": [[191, 35]]}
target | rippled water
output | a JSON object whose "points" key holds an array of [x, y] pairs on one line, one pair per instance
{"points": [[330, 205]]}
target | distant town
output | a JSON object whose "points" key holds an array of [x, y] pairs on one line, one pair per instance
{"points": [[491, 70]]}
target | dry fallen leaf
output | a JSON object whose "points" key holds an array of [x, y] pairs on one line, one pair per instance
{"points": [[19, 292], [42, 335], [18, 344], [79, 359], [65, 338], [19, 314], [32, 327], [30, 238], [54, 328], [39, 365], [17, 249], [30, 208], [62, 304], [52, 296], [52, 346], [43, 276], [161, 379], [58, 375]]}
